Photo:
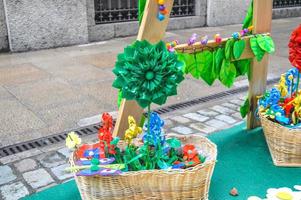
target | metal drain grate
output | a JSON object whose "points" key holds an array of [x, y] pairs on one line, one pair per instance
{"points": [[45, 141], [93, 129]]}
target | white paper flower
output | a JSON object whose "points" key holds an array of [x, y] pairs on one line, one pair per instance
{"points": [[282, 194], [279, 194]]}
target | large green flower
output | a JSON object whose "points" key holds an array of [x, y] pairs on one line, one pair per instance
{"points": [[147, 73]]}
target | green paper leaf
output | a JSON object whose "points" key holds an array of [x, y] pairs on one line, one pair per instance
{"points": [[227, 73], [174, 143], [242, 67], [219, 57], [248, 21], [245, 108], [162, 164], [190, 64], [228, 49], [238, 48], [266, 43], [205, 66], [258, 52]]}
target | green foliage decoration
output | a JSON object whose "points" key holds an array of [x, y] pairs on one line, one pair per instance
{"points": [[147, 73]]}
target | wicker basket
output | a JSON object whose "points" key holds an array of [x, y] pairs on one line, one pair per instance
{"points": [[284, 143], [192, 183]]}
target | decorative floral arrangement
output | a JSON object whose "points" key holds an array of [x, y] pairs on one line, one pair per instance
{"points": [[141, 150], [148, 74], [282, 103]]}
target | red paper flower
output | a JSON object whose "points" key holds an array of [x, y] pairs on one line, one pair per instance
{"points": [[190, 154], [295, 48], [105, 133]]}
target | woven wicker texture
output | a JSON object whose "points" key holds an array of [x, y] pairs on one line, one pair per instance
{"points": [[192, 183], [284, 143]]}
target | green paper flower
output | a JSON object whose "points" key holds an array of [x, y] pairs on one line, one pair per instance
{"points": [[147, 73]]}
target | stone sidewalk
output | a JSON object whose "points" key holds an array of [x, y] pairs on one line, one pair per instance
{"points": [[35, 170], [50, 91]]}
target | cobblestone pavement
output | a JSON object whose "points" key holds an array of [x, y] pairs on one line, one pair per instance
{"points": [[50, 91], [35, 170]]}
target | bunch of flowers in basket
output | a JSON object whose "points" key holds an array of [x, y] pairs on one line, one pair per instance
{"points": [[141, 150], [282, 103], [148, 74]]}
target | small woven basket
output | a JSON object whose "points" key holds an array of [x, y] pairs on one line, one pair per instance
{"points": [[284, 143], [192, 183]]}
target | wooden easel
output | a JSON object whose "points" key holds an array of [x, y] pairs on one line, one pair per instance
{"points": [[153, 30]]}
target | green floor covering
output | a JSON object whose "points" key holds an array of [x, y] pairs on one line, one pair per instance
{"points": [[243, 162]]}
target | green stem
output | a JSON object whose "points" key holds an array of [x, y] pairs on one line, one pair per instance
{"points": [[148, 133], [298, 80], [292, 87]]}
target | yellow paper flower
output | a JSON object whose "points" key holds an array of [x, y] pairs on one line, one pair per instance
{"points": [[282, 86], [73, 140], [133, 131]]}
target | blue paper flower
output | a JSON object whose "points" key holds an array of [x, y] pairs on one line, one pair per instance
{"points": [[290, 76], [155, 135], [94, 153]]}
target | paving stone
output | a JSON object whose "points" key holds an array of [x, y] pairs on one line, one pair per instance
{"points": [[65, 152], [51, 159], [6, 174], [182, 130], [180, 119], [237, 102], [167, 123], [230, 105], [196, 117], [237, 115], [46, 187], [223, 110], [227, 119], [60, 172], [203, 128], [26, 165], [38, 178], [217, 124], [208, 113], [14, 191]]}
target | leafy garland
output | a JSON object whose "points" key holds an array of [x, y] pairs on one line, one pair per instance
{"points": [[219, 63]]}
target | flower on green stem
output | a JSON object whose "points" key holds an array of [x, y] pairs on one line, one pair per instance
{"points": [[147, 73]]}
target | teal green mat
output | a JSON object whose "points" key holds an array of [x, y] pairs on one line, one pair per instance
{"points": [[243, 162]]}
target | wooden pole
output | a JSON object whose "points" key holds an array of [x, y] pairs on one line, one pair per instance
{"points": [[262, 23], [152, 30]]}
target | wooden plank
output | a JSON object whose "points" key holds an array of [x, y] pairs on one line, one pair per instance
{"points": [[197, 47], [152, 30], [262, 22]]}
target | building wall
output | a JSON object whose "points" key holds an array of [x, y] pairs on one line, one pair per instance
{"points": [[38, 24], [98, 32], [3, 29], [222, 12]]}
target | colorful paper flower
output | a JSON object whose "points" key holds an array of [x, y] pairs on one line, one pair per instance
{"points": [[279, 194], [133, 131], [105, 134], [147, 73], [73, 140], [191, 155], [155, 135], [295, 48]]}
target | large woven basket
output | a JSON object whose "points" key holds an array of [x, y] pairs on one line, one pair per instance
{"points": [[192, 183], [284, 143]]}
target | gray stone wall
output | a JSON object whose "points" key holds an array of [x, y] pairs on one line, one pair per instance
{"points": [[38, 24], [98, 32], [286, 12], [224, 12], [3, 29]]}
